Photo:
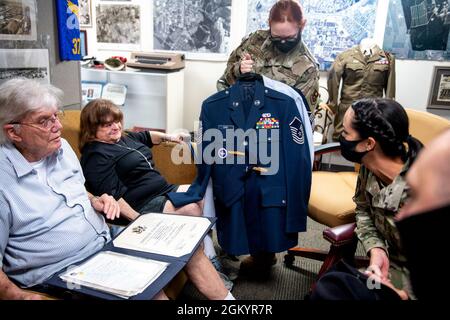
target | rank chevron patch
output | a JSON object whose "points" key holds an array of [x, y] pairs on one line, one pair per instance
{"points": [[297, 132]]}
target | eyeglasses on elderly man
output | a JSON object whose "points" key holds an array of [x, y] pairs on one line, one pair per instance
{"points": [[43, 122]]}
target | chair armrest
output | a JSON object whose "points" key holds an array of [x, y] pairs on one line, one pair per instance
{"points": [[327, 148], [340, 235], [183, 173]]}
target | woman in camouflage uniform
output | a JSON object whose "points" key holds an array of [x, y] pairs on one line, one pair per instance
{"points": [[278, 53], [376, 134]]}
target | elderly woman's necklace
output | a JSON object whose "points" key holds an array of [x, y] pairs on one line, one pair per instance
{"points": [[132, 149]]}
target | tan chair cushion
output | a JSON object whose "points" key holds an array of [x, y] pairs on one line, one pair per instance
{"points": [[71, 129], [174, 173], [426, 126], [331, 200]]}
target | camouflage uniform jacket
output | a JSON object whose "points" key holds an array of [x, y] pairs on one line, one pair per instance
{"points": [[361, 77], [376, 207], [297, 68]]}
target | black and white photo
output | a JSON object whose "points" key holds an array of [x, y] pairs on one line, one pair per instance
{"points": [[444, 89], [440, 88], [26, 63], [118, 24], [192, 26], [428, 23], [18, 20], [30, 73], [85, 8]]}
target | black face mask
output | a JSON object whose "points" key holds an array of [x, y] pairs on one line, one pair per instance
{"points": [[286, 45], [348, 150]]}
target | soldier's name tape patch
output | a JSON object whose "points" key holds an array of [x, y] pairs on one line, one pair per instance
{"points": [[298, 134]]}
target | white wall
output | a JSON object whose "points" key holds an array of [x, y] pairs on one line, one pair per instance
{"points": [[199, 83]]}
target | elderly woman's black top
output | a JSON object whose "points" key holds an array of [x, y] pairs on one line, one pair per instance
{"points": [[124, 169]]}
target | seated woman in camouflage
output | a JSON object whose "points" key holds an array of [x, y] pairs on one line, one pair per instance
{"points": [[376, 135]]}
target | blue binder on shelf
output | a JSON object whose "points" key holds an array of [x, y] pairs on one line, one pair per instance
{"points": [[175, 264]]}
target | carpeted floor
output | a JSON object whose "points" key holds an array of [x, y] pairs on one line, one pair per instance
{"points": [[284, 283]]}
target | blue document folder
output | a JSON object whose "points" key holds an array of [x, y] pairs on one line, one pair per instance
{"points": [[175, 265]]}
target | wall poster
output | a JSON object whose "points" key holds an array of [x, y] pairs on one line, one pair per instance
{"points": [[201, 28]]}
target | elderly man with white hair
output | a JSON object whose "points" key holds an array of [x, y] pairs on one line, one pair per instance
{"points": [[48, 220]]}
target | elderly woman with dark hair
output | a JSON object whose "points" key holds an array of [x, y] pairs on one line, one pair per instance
{"points": [[120, 164], [376, 134]]}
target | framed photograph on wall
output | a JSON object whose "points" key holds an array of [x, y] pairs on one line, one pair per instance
{"points": [[118, 27], [91, 90], [85, 8], [26, 63], [440, 88], [203, 32], [18, 20], [83, 43]]}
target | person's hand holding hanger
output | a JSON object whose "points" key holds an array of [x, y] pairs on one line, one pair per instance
{"points": [[246, 63]]}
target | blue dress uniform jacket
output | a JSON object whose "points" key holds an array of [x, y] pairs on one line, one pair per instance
{"points": [[256, 211]]}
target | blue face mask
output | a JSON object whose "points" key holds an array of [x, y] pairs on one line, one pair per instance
{"points": [[348, 150]]}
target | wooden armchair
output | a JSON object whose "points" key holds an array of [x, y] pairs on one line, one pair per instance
{"points": [[331, 202]]}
